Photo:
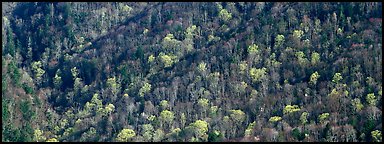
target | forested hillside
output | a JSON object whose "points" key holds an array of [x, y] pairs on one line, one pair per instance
{"points": [[167, 71]]}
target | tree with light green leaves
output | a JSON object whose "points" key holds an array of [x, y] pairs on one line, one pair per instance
{"points": [[243, 66], [356, 103], [111, 83], [315, 58], [202, 67], [257, 75], [36, 67], [147, 132], [167, 60], [298, 34], [237, 115], [225, 15], [249, 130], [371, 99], [376, 135], [158, 135], [279, 40], [145, 89], [301, 58], [38, 136], [304, 118], [200, 129], [337, 77], [323, 117], [151, 58], [166, 116], [253, 49], [290, 109], [125, 135], [52, 140], [275, 119], [164, 104], [314, 77]]}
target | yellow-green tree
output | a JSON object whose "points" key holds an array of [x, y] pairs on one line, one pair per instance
{"points": [[323, 117], [145, 89], [337, 77], [290, 109], [125, 135], [257, 75], [166, 116], [225, 15], [200, 129], [279, 40], [314, 77], [376, 135], [371, 99]]}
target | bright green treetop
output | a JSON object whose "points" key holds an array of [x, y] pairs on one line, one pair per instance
{"points": [[125, 135]]}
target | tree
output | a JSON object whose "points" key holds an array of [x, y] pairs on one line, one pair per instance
{"points": [[200, 129], [304, 117], [290, 109], [237, 115], [298, 34], [275, 119], [257, 75], [38, 136], [148, 132], [225, 15], [357, 104], [202, 67], [253, 49], [125, 135], [323, 116], [164, 104], [249, 130], [371, 99], [337, 77], [36, 67], [314, 77], [167, 60], [57, 79], [315, 58], [111, 82], [52, 140], [167, 116], [145, 89], [376, 135], [279, 40]]}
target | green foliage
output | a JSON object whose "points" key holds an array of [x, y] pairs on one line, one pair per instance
{"points": [[237, 115], [111, 82], [253, 49], [275, 119], [167, 60], [167, 116], [202, 67], [337, 77], [215, 136], [314, 77], [376, 135], [164, 104], [151, 58], [279, 40], [14, 73], [301, 58], [148, 132], [27, 88], [158, 135], [125, 135], [297, 134], [36, 67], [200, 128], [52, 140], [243, 66], [315, 58], [26, 110], [290, 109], [298, 34], [249, 130], [371, 99], [323, 117], [225, 15], [357, 104], [203, 102], [145, 89], [304, 118], [257, 75]]}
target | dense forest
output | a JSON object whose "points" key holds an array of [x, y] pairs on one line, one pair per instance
{"points": [[191, 71]]}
